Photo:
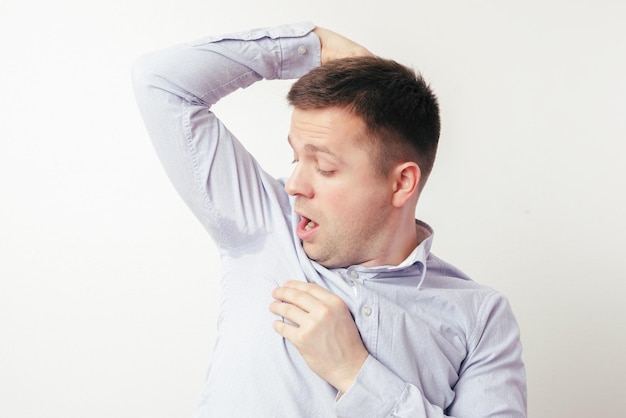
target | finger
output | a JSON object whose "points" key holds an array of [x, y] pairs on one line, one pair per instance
{"points": [[287, 331], [288, 311], [298, 297]]}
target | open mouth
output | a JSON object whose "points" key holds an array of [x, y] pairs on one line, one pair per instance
{"points": [[309, 225], [306, 228]]}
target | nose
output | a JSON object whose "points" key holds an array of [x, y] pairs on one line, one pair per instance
{"points": [[298, 185]]}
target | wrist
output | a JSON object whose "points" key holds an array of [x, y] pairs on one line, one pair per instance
{"points": [[350, 374]]}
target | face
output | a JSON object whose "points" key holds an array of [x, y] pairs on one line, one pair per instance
{"points": [[343, 201]]}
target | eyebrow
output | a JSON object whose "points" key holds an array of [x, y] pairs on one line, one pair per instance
{"points": [[315, 148]]}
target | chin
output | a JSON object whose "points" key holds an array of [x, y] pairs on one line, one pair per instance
{"points": [[326, 260], [329, 263], [318, 258]]}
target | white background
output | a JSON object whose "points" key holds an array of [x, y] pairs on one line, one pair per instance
{"points": [[108, 286]]}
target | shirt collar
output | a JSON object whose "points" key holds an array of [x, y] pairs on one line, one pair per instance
{"points": [[416, 258]]}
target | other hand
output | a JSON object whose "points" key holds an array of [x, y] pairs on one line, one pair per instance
{"points": [[324, 332]]}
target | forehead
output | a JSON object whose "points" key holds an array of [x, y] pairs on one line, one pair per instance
{"points": [[325, 130]]}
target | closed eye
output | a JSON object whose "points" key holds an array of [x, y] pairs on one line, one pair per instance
{"points": [[324, 172]]}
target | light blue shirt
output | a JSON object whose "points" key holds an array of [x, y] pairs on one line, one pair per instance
{"points": [[439, 343]]}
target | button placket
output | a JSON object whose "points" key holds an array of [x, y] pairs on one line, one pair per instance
{"points": [[367, 319], [351, 277]]}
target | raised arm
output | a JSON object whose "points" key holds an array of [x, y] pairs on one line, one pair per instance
{"points": [[175, 88]]}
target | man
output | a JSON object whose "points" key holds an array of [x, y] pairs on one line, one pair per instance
{"points": [[363, 320]]}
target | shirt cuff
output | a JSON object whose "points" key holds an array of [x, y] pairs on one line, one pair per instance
{"points": [[301, 49], [374, 393]]}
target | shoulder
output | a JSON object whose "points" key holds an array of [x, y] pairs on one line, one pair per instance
{"points": [[443, 275], [457, 295]]}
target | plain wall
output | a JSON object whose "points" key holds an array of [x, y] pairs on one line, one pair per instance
{"points": [[108, 285]]}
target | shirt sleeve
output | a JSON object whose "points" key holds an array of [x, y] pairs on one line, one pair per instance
{"points": [[491, 383], [218, 179]]}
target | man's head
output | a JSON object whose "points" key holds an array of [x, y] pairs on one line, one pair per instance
{"points": [[400, 112], [364, 133]]}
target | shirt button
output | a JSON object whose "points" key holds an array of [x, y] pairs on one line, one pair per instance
{"points": [[302, 49], [354, 274], [366, 310]]}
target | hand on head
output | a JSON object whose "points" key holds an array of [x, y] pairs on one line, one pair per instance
{"points": [[335, 46]]}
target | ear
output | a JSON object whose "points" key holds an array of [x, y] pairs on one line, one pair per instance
{"points": [[406, 179]]}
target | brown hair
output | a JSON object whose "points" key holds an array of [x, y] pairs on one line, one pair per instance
{"points": [[400, 111]]}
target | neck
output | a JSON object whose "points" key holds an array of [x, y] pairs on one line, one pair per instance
{"points": [[400, 241]]}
